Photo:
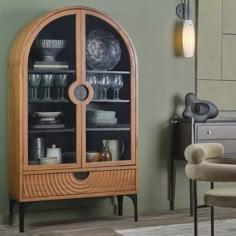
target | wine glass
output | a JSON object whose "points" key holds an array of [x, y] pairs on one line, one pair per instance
{"points": [[117, 84], [47, 82], [34, 81], [61, 83], [105, 83], [93, 80]]}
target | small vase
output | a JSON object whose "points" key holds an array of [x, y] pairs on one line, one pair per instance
{"points": [[105, 154]]}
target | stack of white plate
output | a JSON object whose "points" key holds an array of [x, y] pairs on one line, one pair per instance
{"points": [[100, 117]]}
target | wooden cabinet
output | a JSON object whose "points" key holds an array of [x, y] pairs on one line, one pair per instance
{"points": [[187, 131], [72, 92]]}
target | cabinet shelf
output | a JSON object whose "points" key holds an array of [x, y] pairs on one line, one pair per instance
{"points": [[50, 101], [117, 127], [110, 101], [51, 71], [108, 72], [64, 130]]}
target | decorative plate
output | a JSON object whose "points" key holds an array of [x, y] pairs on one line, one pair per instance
{"points": [[103, 50]]}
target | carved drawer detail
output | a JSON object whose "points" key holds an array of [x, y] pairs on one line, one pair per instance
{"points": [[60, 184]]}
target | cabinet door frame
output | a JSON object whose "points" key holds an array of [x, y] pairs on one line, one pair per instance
{"points": [[39, 24], [133, 92]]}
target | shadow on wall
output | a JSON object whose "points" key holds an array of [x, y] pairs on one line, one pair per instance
{"points": [[166, 135], [178, 106], [166, 132]]}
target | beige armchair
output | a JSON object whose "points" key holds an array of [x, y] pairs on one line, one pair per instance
{"points": [[206, 162]]}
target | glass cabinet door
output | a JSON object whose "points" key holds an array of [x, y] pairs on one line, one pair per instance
{"points": [[108, 116], [51, 115]]}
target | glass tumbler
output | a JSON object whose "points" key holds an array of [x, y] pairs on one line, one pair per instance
{"points": [[37, 149]]}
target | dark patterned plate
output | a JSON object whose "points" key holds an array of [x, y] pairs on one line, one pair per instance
{"points": [[103, 50]]}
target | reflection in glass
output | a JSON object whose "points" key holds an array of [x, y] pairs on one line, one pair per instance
{"points": [[117, 84], [34, 81]]}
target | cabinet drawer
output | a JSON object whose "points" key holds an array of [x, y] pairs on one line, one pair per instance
{"points": [[216, 132], [64, 184], [229, 145]]}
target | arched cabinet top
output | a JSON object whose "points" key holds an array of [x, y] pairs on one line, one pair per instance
{"points": [[22, 44]]}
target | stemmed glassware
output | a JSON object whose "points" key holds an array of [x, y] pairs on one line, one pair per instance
{"points": [[93, 80], [116, 85], [34, 81], [104, 83], [61, 82], [47, 82]]}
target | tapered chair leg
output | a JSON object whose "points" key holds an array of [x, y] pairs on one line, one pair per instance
{"points": [[195, 208], [191, 196], [212, 185], [212, 221], [172, 184]]}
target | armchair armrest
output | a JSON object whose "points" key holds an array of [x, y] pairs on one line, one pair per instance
{"points": [[196, 153]]}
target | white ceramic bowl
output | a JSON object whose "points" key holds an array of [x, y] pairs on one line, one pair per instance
{"points": [[48, 114], [92, 156]]}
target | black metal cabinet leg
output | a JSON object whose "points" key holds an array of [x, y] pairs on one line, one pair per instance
{"points": [[134, 198], [195, 208], [120, 204], [21, 217], [172, 184], [11, 209]]}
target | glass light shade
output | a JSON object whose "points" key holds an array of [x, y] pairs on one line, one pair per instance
{"points": [[188, 38]]}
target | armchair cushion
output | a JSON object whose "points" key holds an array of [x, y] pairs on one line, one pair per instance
{"points": [[206, 163], [196, 153], [213, 170], [221, 197]]}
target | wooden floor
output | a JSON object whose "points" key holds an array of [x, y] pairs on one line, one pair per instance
{"points": [[107, 226]]}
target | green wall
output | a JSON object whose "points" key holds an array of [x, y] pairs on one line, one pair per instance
{"points": [[164, 79]]}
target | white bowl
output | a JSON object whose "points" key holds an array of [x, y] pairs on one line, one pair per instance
{"points": [[92, 156], [48, 114]]}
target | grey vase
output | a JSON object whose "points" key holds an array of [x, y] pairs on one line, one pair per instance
{"points": [[198, 109]]}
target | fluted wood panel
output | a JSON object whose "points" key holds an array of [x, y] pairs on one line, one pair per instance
{"points": [[63, 184]]}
